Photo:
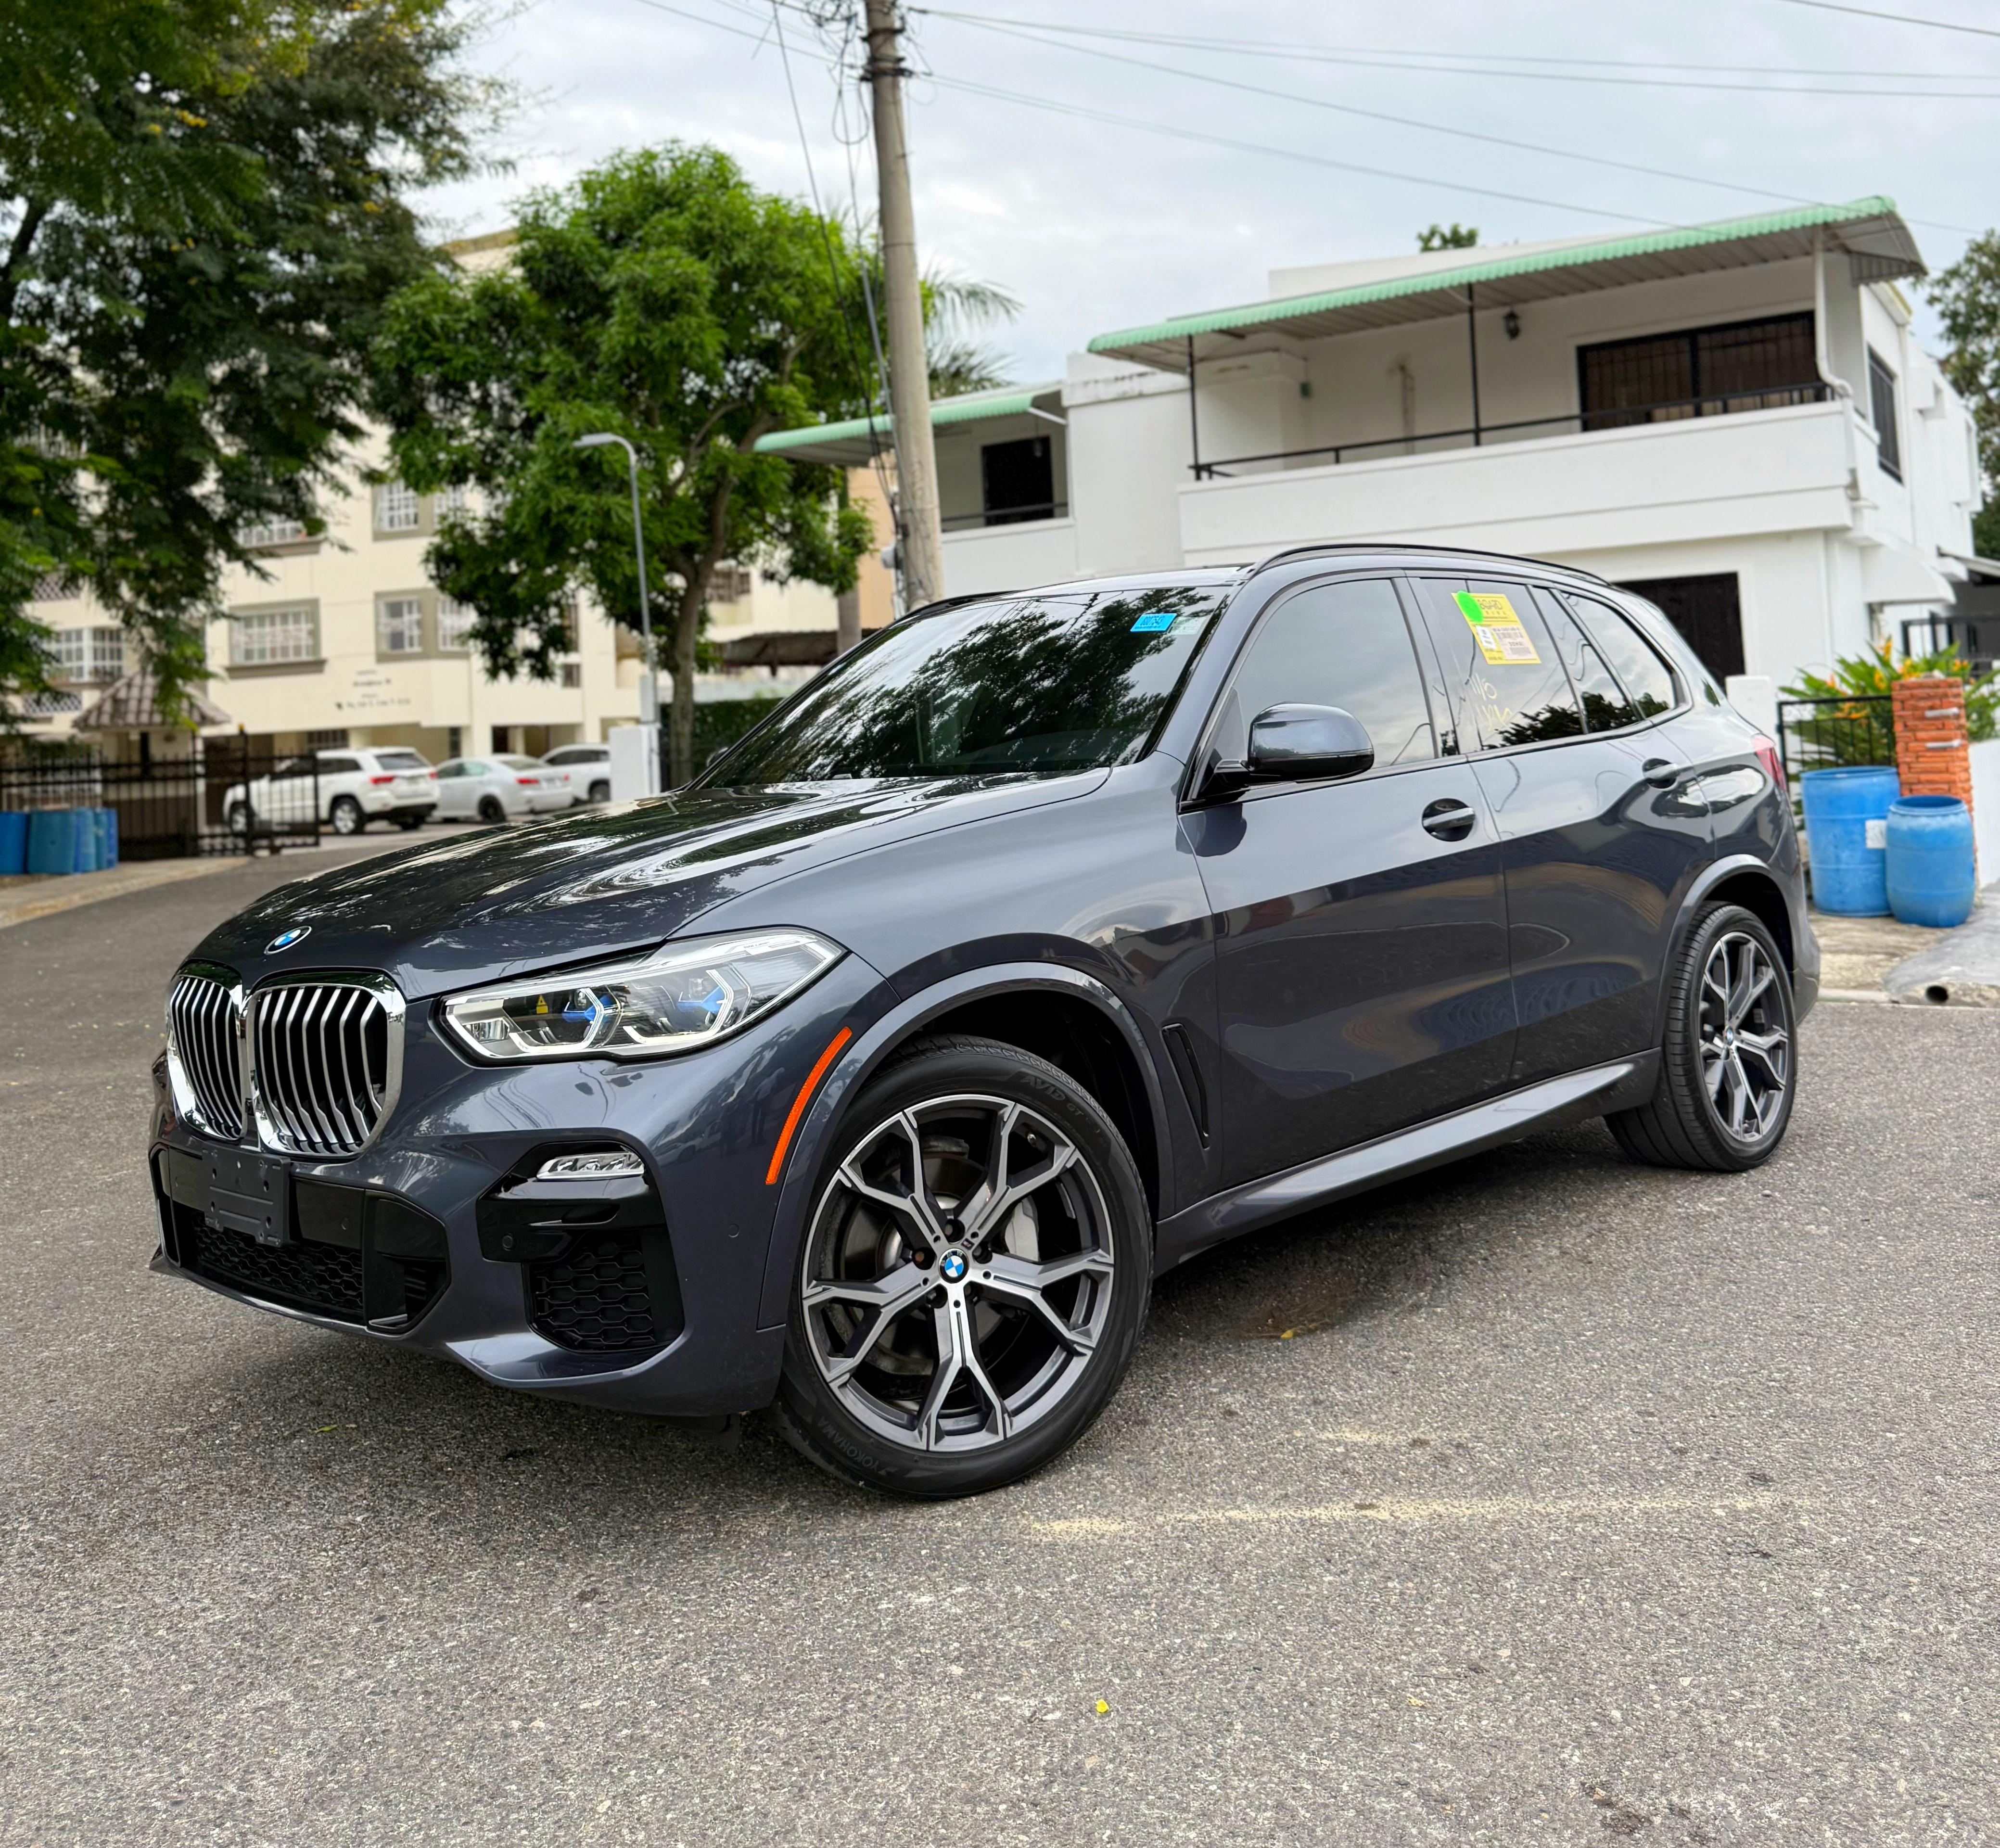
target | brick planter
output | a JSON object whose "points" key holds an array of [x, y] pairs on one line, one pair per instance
{"points": [[1931, 757]]}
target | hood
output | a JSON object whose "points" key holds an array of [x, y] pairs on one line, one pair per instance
{"points": [[472, 908]]}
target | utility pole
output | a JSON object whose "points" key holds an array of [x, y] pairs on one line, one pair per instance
{"points": [[919, 535]]}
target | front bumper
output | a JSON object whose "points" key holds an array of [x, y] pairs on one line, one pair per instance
{"points": [[646, 1299]]}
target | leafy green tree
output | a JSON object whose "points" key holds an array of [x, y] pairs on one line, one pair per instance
{"points": [[203, 206], [1967, 299], [1449, 237], [665, 299]]}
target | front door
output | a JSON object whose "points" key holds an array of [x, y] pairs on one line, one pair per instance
{"points": [[1599, 833], [1360, 929]]}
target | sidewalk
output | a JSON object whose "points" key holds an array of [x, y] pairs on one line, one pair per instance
{"points": [[26, 895], [1878, 960]]}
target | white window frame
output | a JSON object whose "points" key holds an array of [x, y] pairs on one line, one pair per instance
{"points": [[274, 638], [398, 509], [454, 623], [273, 532], [399, 625]]}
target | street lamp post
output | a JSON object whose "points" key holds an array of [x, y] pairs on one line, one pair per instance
{"points": [[649, 690]]}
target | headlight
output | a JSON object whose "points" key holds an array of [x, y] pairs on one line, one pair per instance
{"points": [[681, 996]]}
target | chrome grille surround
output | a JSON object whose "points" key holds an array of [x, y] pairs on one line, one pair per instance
{"points": [[205, 1063], [326, 1061]]}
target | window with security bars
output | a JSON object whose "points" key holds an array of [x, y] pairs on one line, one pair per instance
{"points": [[263, 638], [399, 623], [89, 654], [455, 499], [731, 584], [454, 625], [398, 509], [1701, 372], [1882, 407]]}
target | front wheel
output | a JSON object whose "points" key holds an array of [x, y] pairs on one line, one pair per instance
{"points": [[1729, 1062], [974, 1275]]}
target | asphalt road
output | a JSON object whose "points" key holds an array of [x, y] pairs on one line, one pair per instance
{"points": [[1542, 1499]]}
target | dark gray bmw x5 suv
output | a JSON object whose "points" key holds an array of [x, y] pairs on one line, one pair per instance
{"points": [[1043, 941]]}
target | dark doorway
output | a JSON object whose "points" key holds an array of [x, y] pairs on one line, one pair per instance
{"points": [[1017, 481], [1707, 613]]}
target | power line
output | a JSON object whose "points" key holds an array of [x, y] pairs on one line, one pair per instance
{"points": [[1368, 61], [1869, 12], [1289, 153], [1349, 108]]}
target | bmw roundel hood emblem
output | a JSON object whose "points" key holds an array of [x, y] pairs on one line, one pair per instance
{"points": [[285, 939]]}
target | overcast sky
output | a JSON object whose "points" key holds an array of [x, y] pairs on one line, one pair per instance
{"points": [[1097, 224]]}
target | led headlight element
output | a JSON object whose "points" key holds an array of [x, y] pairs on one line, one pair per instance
{"points": [[681, 996]]}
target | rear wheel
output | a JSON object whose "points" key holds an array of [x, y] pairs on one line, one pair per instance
{"points": [[1729, 1060], [346, 815], [974, 1277], [600, 792], [490, 810]]}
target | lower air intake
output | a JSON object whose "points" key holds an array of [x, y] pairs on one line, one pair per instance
{"points": [[598, 1299]]}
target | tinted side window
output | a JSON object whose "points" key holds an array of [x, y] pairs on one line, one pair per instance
{"points": [[338, 766], [1342, 645], [1649, 682], [1605, 708], [1501, 666]]}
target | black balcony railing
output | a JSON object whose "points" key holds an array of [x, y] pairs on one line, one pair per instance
{"points": [[1729, 403], [1975, 639], [1005, 516]]}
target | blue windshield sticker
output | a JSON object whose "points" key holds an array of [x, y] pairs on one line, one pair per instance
{"points": [[1153, 622]]}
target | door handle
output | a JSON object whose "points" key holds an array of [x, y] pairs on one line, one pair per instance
{"points": [[1660, 773], [1449, 819]]}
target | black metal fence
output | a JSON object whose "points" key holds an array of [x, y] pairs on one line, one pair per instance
{"points": [[1825, 734], [212, 796]]}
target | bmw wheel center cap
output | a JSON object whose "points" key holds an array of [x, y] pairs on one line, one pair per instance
{"points": [[285, 939], [952, 1266]]}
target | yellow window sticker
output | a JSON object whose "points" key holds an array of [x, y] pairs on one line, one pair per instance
{"points": [[1503, 637]]}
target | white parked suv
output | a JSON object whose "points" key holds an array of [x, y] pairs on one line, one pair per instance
{"points": [[589, 767], [492, 789], [354, 787]]}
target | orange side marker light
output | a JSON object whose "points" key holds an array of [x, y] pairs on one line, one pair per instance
{"points": [[799, 1103]]}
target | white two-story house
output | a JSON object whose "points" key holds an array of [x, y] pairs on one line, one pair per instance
{"points": [[1733, 419]]}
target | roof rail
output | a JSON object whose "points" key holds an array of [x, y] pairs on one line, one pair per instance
{"points": [[1375, 547]]}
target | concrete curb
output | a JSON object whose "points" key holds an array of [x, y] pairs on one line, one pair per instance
{"points": [[1961, 970], [43, 897]]}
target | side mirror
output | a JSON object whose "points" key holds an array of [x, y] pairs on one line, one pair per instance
{"points": [[1299, 743]]}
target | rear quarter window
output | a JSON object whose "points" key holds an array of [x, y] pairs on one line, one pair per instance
{"points": [[1651, 684]]}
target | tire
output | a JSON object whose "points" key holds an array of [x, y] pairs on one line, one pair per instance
{"points": [[860, 1392], [344, 815], [600, 792], [490, 812], [1729, 1063], [239, 817]]}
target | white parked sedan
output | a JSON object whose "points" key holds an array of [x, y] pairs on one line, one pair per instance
{"points": [[493, 789], [589, 770]]}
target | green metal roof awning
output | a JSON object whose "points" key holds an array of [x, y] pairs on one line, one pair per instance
{"points": [[856, 441], [1867, 229]]}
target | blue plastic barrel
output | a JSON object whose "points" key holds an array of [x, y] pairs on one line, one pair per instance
{"points": [[13, 842], [52, 840], [107, 819], [1931, 873], [86, 842], [1850, 872]]}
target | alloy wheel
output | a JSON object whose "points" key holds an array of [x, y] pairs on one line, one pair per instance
{"points": [[1746, 1041], [958, 1273]]}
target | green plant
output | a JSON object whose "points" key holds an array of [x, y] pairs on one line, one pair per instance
{"points": [[1848, 730]]}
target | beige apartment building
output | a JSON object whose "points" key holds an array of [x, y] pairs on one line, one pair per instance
{"points": [[341, 639]]}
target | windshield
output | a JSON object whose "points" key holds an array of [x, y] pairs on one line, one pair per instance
{"points": [[1047, 685]]}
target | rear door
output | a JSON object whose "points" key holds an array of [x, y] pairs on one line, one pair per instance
{"points": [[1600, 831], [1359, 925]]}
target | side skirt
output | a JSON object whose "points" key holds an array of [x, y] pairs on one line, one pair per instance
{"points": [[1571, 1098]]}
